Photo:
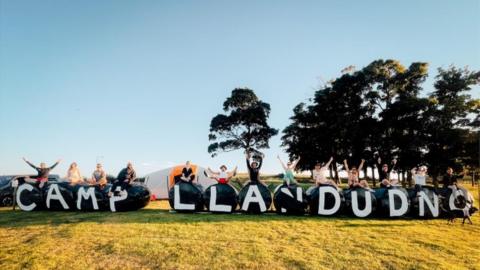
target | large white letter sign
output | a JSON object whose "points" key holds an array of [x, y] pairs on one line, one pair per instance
{"points": [[114, 199], [289, 193], [55, 196], [451, 201], [22, 206], [367, 210], [391, 201], [85, 195], [254, 196], [321, 201], [433, 206], [177, 202], [214, 207]]}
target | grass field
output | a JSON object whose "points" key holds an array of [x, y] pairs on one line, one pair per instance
{"points": [[155, 238]]}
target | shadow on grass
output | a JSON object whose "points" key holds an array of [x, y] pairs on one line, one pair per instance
{"points": [[18, 219]]}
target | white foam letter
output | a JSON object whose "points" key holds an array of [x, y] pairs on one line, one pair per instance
{"points": [[214, 207], [55, 196], [391, 201], [254, 196], [176, 200], [434, 207], [20, 189], [85, 195], [321, 200], [113, 199], [368, 204]]}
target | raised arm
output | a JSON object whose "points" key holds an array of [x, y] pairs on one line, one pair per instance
{"points": [[328, 163], [346, 165], [55, 165], [212, 172], [281, 162], [294, 164], [361, 165], [247, 157], [261, 161], [31, 165], [394, 164], [232, 173]]}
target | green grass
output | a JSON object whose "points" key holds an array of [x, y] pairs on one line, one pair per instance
{"points": [[155, 238]]}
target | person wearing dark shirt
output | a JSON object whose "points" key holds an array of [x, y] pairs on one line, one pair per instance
{"points": [[124, 179], [42, 172], [450, 179], [187, 173], [384, 174], [254, 168]]}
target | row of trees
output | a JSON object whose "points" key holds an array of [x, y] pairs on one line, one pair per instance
{"points": [[377, 112]]}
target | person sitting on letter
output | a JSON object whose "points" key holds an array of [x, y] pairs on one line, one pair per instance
{"points": [[99, 177], [222, 176], [319, 174], [288, 177], [353, 176], [124, 179], [73, 175], [254, 168], [384, 174], [42, 172]]}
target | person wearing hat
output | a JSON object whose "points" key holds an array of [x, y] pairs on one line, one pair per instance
{"points": [[223, 176]]}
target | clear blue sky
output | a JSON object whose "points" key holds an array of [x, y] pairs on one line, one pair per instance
{"points": [[141, 80]]}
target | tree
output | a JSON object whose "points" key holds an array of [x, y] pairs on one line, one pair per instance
{"points": [[451, 118], [244, 126]]}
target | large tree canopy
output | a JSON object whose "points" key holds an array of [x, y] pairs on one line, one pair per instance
{"points": [[379, 111], [244, 124]]}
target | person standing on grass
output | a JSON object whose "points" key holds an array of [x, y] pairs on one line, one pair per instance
{"points": [[42, 172], [288, 176], [353, 176], [124, 179], [384, 174], [254, 168], [73, 175], [222, 176], [319, 174], [99, 177]]}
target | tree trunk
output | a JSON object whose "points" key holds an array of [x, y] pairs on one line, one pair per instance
{"points": [[435, 180], [337, 180], [402, 176], [373, 176], [330, 169]]}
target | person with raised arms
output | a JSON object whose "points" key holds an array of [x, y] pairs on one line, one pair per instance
{"points": [[353, 176], [99, 177], [384, 174], [74, 176], [42, 172], [319, 174], [124, 179], [254, 168], [288, 176], [222, 176]]}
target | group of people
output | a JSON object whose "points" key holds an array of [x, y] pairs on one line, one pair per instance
{"points": [[223, 176], [74, 177]]}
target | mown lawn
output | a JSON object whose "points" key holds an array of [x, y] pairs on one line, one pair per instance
{"points": [[155, 238]]}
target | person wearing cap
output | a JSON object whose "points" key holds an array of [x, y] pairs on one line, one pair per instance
{"points": [[42, 172], [124, 179], [223, 176], [99, 177]]}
